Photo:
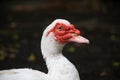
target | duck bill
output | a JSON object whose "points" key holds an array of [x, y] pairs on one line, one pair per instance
{"points": [[79, 39]]}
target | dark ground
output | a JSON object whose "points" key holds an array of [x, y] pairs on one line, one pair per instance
{"points": [[22, 23]]}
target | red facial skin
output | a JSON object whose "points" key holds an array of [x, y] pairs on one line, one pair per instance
{"points": [[64, 32]]}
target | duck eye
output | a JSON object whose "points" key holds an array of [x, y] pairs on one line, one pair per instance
{"points": [[60, 28]]}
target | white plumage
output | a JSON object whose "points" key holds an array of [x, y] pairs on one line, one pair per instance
{"points": [[59, 67]]}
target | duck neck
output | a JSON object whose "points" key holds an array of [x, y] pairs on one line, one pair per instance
{"points": [[58, 66], [50, 47]]}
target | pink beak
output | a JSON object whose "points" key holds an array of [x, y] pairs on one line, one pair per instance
{"points": [[79, 39]]}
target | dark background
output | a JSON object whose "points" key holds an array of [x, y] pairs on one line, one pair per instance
{"points": [[23, 21]]}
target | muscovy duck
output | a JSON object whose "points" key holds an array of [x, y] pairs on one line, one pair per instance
{"points": [[55, 36]]}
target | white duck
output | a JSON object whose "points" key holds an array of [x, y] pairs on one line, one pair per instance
{"points": [[55, 36]]}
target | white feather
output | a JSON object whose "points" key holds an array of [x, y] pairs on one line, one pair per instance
{"points": [[59, 67]]}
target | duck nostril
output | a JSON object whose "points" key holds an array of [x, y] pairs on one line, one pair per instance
{"points": [[72, 32]]}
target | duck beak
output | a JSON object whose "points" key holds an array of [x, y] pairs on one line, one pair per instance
{"points": [[78, 39]]}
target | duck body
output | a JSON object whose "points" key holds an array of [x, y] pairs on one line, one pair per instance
{"points": [[22, 74], [56, 72], [55, 36]]}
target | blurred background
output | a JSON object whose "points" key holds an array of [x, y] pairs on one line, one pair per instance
{"points": [[23, 21]]}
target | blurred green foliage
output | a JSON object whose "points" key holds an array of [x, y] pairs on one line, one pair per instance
{"points": [[71, 49], [31, 57]]}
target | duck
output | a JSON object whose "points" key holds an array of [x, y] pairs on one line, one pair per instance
{"points": [[54, 38]]}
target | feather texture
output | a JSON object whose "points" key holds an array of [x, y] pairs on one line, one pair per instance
{"points": [[59, 67]]}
